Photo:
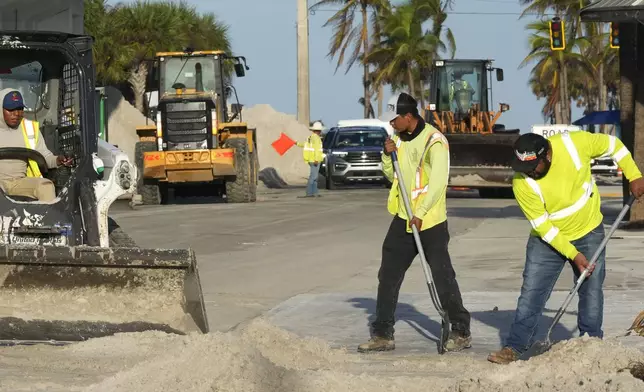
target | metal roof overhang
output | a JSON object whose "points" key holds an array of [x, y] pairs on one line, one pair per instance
{"points": [[623, 11]]}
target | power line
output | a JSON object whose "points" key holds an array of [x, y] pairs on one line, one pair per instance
{"points": [[313, 12]]}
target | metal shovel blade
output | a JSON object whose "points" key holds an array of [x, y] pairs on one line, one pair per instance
{"points": [[442, 343], [536, 349]]}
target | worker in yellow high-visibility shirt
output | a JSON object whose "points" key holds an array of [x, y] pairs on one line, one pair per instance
{"points": [[423, 157], [313, 156], [556, 191]]}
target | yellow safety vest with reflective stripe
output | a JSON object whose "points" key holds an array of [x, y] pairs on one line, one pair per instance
{"points": [[30, 132], [411, 158], [565, 204], [312, 149]]}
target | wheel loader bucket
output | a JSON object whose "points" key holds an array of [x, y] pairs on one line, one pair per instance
{"points": [[50, 293], [481, 160]]}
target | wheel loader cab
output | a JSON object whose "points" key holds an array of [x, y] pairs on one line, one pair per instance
{"points": [[197, 140], [460, 106]]}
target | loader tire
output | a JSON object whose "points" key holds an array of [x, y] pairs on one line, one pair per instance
{"points": [[254, 175], [241, 189], [148, 189], [118, 237]]}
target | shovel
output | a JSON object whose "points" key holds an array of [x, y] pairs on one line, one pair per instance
{"points": [[541, 347], [423, 261]]}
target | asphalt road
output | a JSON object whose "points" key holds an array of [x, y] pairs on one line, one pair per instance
{"points": [[253, 257]]}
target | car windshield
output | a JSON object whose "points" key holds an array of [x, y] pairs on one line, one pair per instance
{"points": [[361, 137], [192, 72]]}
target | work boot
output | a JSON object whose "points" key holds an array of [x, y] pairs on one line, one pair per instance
{"points": [[503, 356], [458, 341], [377, 343]]}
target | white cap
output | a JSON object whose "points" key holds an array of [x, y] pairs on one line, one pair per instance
{"points": [[398, 104], [317, 126]]}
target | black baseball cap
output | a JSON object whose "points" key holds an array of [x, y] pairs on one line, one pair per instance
{"points": [[528, 151], [402, 103]]}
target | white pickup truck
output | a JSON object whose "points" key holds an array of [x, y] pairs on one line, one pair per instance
{"points": [[602, 166]]}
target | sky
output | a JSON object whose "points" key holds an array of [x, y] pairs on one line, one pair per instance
{"points": [[264, 31]]}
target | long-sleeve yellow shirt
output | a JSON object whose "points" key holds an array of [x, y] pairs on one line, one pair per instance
{"points": [[565, 204]]}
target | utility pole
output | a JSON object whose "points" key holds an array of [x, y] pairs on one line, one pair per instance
{"points": [[303, 100]]}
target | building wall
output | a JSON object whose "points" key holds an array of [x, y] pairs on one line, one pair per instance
{"points": [[49, 15]]}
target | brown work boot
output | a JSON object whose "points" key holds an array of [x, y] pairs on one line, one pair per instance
{"points": [[377, 343], [503, 356], [458, 341]]}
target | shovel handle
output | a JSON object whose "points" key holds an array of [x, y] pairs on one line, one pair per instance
{"points": [[593, 260], [423, 260]]}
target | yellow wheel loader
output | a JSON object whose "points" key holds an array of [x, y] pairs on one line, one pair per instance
{"points": [[68, 272], [460, 107], [195, 140]]}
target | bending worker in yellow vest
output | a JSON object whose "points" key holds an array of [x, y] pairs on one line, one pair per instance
{"points": [[313, 156], [18, 178], [423, 156], [556, 192]]}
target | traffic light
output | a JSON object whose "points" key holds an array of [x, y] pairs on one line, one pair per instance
{"points": [[557, 37], [614, 35]]}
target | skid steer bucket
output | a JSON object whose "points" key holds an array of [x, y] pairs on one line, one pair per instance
{"points": [[50, 293]]}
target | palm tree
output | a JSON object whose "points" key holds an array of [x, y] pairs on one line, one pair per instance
{"points": [[345, 34], [405, 49], [150, 27], [552, 65], [134, 32], [111, 58]]}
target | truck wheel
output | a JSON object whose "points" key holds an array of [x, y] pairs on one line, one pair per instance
{"points": [[118, 237], [148, 189], [240, 190]]}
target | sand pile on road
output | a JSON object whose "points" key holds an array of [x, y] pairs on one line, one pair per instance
{"points": [[276, 169], [122, 122], [264, 358]]}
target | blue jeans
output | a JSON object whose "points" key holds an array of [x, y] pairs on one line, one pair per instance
{"points": [[542, 268], [312, 185]]}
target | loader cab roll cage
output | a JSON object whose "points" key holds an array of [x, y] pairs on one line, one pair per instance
{"points": [[54, 72]]}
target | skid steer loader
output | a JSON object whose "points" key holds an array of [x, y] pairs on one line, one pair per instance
{"points": [[195, 140], [67, 271], [459, 106]]}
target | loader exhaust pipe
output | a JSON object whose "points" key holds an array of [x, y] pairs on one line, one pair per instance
{"points": [[50, 293]]}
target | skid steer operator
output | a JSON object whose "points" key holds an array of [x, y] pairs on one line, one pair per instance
{"points": [[18, 178], [423, 157], [556, 192]]}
